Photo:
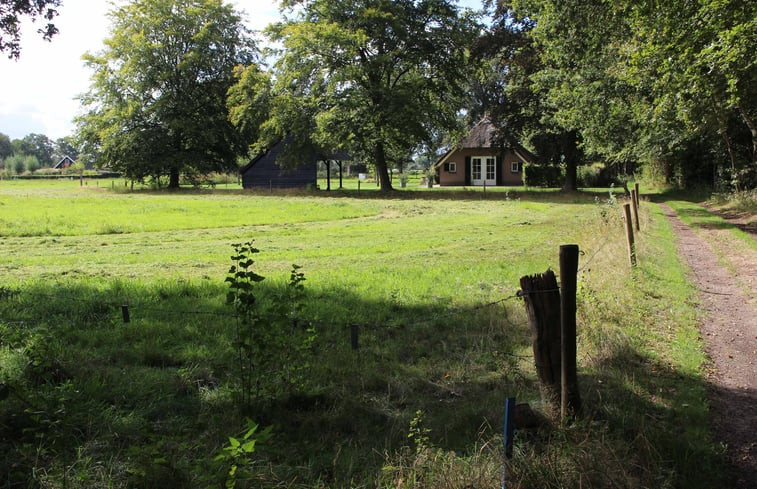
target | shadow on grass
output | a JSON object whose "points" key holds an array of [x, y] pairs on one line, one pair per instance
{"points": [[661, 415], [152, 400], [161, 386]]}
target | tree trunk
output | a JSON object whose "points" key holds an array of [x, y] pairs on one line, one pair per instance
{"points": [[572, 154], [381, 168], [571, 176], [752, 129], [728, 145], [173, 178]]}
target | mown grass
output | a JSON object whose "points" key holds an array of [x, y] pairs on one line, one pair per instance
{"points": [[92, 401]]}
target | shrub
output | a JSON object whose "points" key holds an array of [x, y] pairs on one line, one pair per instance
{"points": [[31, 163], [543, 175]]}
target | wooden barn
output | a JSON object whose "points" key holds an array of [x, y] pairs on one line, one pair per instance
{"points": [[64, 162], [264, 172], [478, 161]]}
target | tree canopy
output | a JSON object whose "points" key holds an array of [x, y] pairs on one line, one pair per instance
{"points": [[637, 81], [375, 77], [157, 102], [11, 13]]}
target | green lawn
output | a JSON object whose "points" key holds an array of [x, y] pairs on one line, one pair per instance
{"points": [[87, 400]]}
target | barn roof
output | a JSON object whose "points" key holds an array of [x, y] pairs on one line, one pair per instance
{"points": [[65, 159]]}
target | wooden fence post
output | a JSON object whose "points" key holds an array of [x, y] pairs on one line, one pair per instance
{"points": [[570, 399], [638, 197], [542, 300], [629, 234], [635, 208]]}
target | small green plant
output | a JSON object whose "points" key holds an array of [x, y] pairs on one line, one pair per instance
{"points": [[272, 341], [241, 281], [237, 455], [419, 434]]}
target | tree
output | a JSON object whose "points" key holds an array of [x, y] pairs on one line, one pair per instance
{"points": [[509, 94], [375, 76], [16, 164], [6, 147], [31, 163], [699, 64], [157, 103], [650, 81], [65, 146], [39, 146], [11, 12]]}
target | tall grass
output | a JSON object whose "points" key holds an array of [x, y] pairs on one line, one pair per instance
{"points": [[93, 401]]}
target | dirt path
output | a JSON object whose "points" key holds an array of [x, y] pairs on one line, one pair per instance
{"points": [[729, 330]]}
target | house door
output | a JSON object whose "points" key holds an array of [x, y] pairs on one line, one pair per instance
{"points": [[484, 170]]}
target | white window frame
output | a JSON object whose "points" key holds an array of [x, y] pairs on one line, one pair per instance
{"points": [[451, 167], [515, 167]]}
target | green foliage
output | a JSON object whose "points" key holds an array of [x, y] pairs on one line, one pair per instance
{"points": [[418, 433], [369, 76], [6, 147], [39, 146], [250, 338], [157, 103], [272, 339], [11, 15], [670, 86], [31, 163], [535, 175], [16, 164], [237, 455]]}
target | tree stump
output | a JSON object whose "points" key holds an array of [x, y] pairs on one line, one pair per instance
{"points": [[542, 299]]}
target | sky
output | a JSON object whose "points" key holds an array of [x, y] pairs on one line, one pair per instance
{"points": [[39, 92]]}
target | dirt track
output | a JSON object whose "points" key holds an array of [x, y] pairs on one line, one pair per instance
{"points": [[727, 295]]}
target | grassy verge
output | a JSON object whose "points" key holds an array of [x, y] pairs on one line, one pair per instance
{"points": [[88, 400]]}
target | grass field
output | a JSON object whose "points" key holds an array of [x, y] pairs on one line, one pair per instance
{"points": [[429, 276]]}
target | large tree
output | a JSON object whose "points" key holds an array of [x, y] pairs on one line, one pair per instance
{"points": [[6, 147], [698, 61], [650, 81], [11, 14], [157, 103], [39, 146], [509, 94], [377, 77]]}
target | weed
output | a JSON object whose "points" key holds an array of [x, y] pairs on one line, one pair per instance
{"points": [[237, 454]]}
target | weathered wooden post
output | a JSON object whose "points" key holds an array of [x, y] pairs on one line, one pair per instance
{"points": [[638, 197], [635, 209], [542, 300], [570, 399], [629, 234]]}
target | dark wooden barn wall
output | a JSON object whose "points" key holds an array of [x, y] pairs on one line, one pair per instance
{"points": [[264, 173]]}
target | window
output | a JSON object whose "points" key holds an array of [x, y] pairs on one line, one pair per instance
{"points": [[450, 167], [515, 168]]}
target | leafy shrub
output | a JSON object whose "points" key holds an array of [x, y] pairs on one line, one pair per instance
{"points": [[543, 175]]}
